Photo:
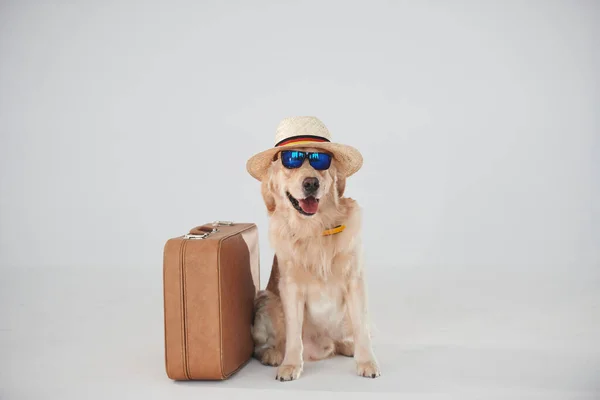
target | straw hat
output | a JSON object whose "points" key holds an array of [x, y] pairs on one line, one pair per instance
{"points": [[299, 132]]}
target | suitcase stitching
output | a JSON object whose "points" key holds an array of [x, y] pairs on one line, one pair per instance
{"points": [[184, 338], [165, 315]]}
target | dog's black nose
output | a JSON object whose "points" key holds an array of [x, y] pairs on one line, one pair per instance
{"points": [[311, 185]]}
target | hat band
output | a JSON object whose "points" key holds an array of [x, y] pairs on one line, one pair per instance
{"points": [[301, 139]]}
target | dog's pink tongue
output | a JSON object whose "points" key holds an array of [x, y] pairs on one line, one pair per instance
{"points": [[309, 205]]}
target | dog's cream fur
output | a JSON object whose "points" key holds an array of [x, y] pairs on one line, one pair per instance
{"points": [[315, 303]]}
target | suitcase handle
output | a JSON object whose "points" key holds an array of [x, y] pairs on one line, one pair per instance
{"points": [[202, 231]]}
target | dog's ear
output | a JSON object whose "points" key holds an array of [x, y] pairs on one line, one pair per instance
{"points": [[340, 185], [267, 195]]}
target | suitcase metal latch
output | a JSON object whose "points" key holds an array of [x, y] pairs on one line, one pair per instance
{"points": [[219, 223], [192, 236]]}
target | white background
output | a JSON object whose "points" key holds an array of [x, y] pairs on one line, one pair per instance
{"points": [[123, 124]]}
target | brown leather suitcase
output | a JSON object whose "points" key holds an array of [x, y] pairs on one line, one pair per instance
{"points": [[210, 278]]}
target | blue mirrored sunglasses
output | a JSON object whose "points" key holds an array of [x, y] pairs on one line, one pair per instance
{"points": [[294, 159]]}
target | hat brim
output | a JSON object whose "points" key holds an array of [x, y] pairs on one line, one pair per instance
{"points": [[348, 159]]}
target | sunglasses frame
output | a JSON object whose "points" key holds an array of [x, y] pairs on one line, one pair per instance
{"points": [[307, 157]]}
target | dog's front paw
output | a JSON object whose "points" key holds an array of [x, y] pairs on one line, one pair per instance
{"points": [[368, 369], [288, 372], [271, 357]]}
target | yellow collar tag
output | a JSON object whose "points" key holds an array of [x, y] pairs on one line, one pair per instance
{"points": [[335, 230]]}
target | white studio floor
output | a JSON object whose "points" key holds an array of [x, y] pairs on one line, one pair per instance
{"points": [[97, 334]]}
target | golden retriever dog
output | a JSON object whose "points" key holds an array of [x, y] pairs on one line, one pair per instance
{"points": [[315, 303]]}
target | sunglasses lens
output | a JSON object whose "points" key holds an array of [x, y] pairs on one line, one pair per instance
{"points": [[320, 161], [292, 158]]}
